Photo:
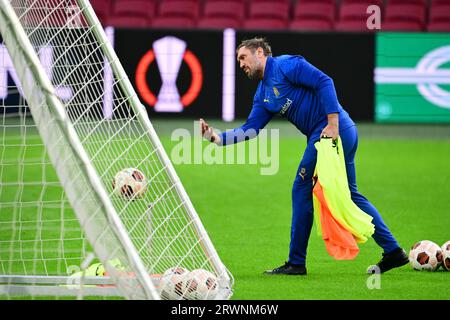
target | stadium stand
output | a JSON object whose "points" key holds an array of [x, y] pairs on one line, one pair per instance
{"points": [[402, 16], [222, 14], [265, 14], [439, 16], [132, 13], [176, 14], [353, 15], [295, 15], [313, 15], [103, 9], [421, 3]]}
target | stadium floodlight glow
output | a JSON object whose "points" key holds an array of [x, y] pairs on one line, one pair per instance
{"points": [[108, 79], [426, 75], [228, 77]]}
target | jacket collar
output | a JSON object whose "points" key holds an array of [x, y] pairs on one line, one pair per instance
{"points": [[268, 68]]}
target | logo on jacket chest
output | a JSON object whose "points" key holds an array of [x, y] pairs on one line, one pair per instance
{"points": [[275, 92]]}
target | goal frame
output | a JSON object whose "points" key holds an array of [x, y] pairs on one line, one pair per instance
{"points": [[50, 285]]}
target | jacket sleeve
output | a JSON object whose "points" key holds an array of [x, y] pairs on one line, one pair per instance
{"points": [[300, 72], [257, 120]]}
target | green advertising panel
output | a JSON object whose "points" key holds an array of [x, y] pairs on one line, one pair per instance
{"points": [[412, 77]]}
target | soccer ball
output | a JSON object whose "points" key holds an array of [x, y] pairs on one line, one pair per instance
{"points": [[446, 255], [201, 284], [171, 284], [129, 183], [425, 255]]}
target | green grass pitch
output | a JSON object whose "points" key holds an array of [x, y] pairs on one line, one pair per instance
{"points": [[402, 170]]}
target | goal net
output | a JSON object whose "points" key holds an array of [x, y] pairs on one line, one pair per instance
{"points": [[70, 121]]}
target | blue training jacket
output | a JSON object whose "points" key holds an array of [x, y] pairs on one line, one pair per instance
{"points": [[296, 90]]}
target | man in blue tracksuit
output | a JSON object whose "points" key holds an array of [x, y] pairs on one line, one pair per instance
{"points": [[298, 91]]}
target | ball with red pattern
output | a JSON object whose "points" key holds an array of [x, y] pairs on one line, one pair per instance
{"points": [[201, 284], [172, 282], [129, 183], [425, 255], [446, 255]]}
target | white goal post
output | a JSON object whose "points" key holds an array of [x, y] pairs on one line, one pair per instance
{"points": [[56, 200]]}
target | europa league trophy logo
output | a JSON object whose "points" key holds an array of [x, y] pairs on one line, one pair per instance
{"points": [[169, 53]]}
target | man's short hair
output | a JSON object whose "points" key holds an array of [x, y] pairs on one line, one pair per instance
{"points": [[256, 43]]}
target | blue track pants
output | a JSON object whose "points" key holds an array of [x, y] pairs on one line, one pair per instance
{"points": [[302, 201]]}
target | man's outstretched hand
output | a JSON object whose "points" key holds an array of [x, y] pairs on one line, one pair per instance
{"points": [[208, 132]]}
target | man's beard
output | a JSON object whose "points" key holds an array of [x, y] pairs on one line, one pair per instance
{"points": [[253, 74]]}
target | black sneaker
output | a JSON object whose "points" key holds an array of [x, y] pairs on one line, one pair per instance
{"points": [[395, 259], [289, 269]]}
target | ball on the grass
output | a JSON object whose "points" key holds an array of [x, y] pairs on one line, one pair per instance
{"points": [[446, 255], [425, 255], [201, 284], [171, 284]]}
